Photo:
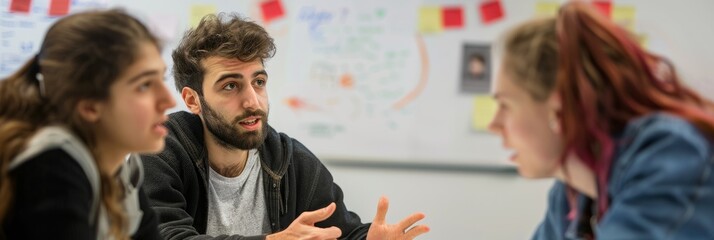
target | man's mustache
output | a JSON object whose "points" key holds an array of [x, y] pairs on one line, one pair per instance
{"points": [[247, 114]]}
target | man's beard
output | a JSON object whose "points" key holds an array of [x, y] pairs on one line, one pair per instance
{"points": [[228, 135]]}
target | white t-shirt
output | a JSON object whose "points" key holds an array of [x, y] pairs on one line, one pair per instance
{"points": [[237, 205]]}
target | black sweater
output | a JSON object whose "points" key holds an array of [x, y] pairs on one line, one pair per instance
{"points": [[294, 179], [53, 198]]}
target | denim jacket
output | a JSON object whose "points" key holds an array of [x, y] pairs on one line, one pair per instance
{"points": [[660, 187]]}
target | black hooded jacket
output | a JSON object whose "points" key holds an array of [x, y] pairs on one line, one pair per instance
{"points": [[294, 179]]}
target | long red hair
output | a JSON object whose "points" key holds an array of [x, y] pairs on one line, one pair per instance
{"points": [[605, 79]]}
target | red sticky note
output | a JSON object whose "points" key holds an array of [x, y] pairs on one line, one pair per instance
{"points": [[59, 7], [272, 9], [21, 6], [604, 7], [453, 17], [491, 11]]}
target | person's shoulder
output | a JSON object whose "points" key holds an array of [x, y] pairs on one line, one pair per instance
{"points": [[182, 122], [659, 146], [300, 154], [307, 166], [55, 160], [52, 169], [300, 150], [662, 129], [662, 121], [50, 188], [184, 140]]}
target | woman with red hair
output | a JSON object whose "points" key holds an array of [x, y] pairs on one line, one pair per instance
{"points": [[630, 146]]}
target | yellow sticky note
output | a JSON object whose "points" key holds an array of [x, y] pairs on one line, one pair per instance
{"points": [[624, 16], [643, 39], [483, 112], [430, 20], [200, 10], [546, 9]]}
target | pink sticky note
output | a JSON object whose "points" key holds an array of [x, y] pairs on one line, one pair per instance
{"points": [[604, 7], [453, 17], [272, 9], [491, 11], [20, 6], [59, 7]]}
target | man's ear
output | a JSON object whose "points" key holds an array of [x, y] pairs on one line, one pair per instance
{"points": [[90, 110], [192, 100]]}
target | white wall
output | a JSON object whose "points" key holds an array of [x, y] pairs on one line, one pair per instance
{"points": [[458, 205]]}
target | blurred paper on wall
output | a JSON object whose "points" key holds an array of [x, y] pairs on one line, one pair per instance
{"points": [[430, 18], [198, 11], [484, 109]]}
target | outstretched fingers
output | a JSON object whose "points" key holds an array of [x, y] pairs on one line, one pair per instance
{"points": [[382, 208], [316, 216]]}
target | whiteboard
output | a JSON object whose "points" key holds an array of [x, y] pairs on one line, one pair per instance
{"points": [[363, 81]]}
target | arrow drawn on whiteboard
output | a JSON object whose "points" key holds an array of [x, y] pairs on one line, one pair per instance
{"points": [[295, 103], [424, 76]]}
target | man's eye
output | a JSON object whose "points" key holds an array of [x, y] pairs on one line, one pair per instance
{"points": [[229, 86], [260, 82]]}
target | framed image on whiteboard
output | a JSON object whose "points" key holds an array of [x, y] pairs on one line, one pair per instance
{"points": [[476, 69]]}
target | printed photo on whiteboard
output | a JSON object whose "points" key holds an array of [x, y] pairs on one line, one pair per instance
{"points": [[476, 69]]}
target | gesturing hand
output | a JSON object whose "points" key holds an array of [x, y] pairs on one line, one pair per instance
{"points": [[400, 231], [304, 226]]}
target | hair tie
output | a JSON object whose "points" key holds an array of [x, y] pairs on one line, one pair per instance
{"points": [[36, 75]]}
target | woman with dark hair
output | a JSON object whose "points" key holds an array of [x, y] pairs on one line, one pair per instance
{"points": [[68, 118], [630, 146]]}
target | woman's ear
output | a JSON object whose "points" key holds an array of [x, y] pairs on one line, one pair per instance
{"points": [[555, 106], [90, 110], [191, 98]]}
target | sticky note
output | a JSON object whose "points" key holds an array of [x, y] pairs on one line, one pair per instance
{"points": [[484, 109], [546, 9], [200, 10], [272, 10], [643, 39], [59, 8], [491, 11], [430, 19], [624, 16], [604, 7], [20, 6], [453, 17]]}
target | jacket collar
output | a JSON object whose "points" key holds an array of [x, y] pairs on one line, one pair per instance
{"points": [[187, 128]]}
